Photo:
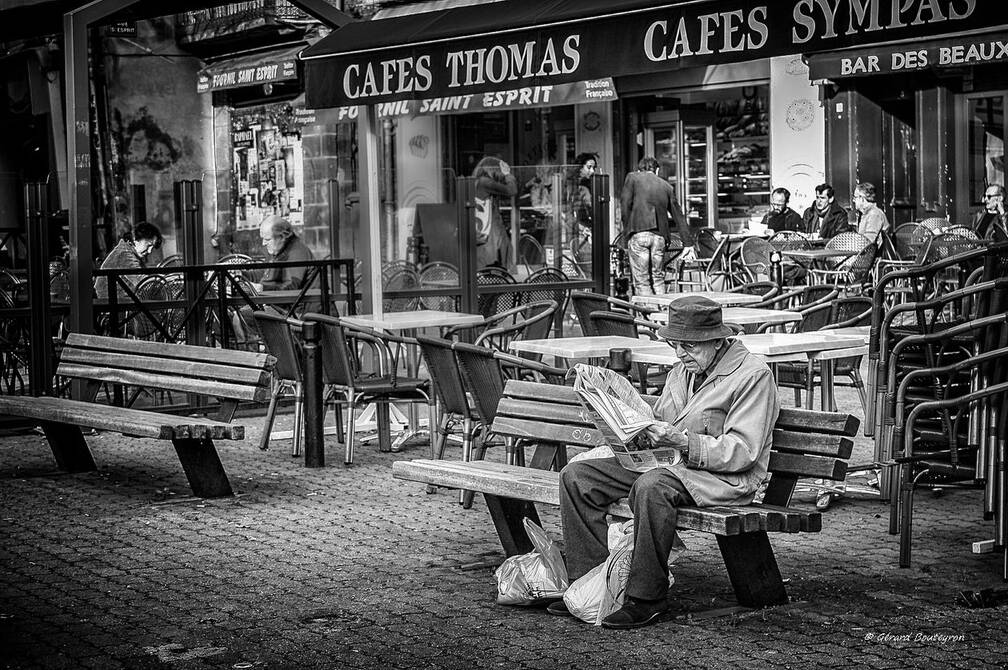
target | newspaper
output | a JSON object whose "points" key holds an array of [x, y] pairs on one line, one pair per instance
{"points": [[621, 415]]}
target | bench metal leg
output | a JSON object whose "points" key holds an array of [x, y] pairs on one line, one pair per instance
{"points": [[752, 569], [507, 515], [68, 447], [203, 468]]}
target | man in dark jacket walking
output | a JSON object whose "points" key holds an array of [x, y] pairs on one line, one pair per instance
{"points": [[825, 216], [646, 203]]}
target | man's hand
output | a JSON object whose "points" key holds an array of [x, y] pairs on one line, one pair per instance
{"points": [[662, 434], [688, 254]]}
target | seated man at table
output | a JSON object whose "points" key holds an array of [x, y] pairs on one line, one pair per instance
{"points": [[719, 407], [281, 245], [131, 252], [825, 217], [991, 223], [781, 217]]}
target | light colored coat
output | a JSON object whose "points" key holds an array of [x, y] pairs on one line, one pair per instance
{"points": [[729, 422], [873, 221]]}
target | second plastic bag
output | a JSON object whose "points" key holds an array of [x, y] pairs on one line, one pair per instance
{"points": [[537, 575], [598, 593]]}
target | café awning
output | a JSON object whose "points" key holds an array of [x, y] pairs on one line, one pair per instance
{"points": [[522, 44], [264, 67], [910, 56]]}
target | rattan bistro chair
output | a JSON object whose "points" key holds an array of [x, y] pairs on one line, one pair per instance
{"points": [[348, 383], [288, 376], [483, 377]]}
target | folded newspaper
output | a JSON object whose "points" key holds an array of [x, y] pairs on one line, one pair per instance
{"points": [[621, 415]]}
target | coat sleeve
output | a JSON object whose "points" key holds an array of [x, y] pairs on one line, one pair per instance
{"points": [[748, 428], [295, 275], [686, 233], [506, 188], [626, 200]]}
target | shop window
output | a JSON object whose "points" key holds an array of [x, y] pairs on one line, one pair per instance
{"points": [[535, 216], [986, 144]]}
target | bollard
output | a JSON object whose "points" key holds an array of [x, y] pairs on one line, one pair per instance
{"points": [[619, 361], [314, 450]]}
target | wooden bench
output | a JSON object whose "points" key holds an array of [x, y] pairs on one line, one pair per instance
{"points": [[231, 376], [805, 444]]}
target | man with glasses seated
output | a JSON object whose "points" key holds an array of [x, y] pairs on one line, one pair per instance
{"points": [[991, 222], [718, 407], [872, 220]]}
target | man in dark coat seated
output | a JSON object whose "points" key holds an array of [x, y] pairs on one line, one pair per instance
{"points": [[824, 216]]}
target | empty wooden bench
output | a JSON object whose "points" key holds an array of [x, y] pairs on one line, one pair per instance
{"points": [[805, 444], [231, 376]]}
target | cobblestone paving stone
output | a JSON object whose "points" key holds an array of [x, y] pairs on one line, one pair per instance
{"points": [[347, 568]]}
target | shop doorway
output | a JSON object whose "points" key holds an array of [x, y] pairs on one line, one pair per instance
{"points": [[682, 141]]}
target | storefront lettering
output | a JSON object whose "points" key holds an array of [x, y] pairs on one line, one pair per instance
{"points": [[826, 19], [530, 95], [512, 62], [708, 34], [397, 75], [975, 53], [859, 65]]}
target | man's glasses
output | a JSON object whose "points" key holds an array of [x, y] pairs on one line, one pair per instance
{"points": [[988, 196], [688, 347]]}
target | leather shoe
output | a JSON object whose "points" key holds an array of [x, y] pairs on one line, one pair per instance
{"points": [[635, 614], [558, 608]]}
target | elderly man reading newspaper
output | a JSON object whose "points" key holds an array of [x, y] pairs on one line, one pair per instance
{"points": [[718, 409]]}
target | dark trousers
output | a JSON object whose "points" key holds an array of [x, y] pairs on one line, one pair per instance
{"points": [[587, 488]]}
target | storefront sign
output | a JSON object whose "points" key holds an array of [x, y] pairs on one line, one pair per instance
{"points": [[121, 29], [243, 139], [324, 117], [596, 90], [910, 56], [237, 74], [466, 52]]}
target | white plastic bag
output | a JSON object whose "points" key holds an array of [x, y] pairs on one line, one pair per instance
{"points": [[598, 593], [603, 451], [538, 574]]}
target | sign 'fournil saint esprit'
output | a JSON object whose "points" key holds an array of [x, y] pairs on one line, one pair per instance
{"points": [[618, 40]]}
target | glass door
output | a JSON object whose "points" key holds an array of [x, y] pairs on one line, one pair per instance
{"points": [[701, 175], [683, 144]]}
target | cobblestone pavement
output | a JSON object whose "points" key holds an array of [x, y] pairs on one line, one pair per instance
{"points": [[347, 568]]}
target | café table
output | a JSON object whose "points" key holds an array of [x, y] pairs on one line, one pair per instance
{"points": [[745, 316], [408, 323], [597, 346], [723, 298]]}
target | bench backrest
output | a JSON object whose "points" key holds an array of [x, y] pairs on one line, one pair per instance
{"points": [[223, 373], [806, 443]]}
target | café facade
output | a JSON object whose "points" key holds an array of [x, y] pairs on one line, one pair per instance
{"points": [[734, 99]]}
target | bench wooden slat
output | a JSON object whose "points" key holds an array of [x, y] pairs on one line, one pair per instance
{"points": [[543, 486], [819, 467], [806, 421], [165, 382], [572, 415], [166, 366], [812, 443], [233, 357], [553, 393], [548, 432], [132, 422]]}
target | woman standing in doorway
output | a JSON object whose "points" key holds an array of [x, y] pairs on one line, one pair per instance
{"points": [[493, 181]]}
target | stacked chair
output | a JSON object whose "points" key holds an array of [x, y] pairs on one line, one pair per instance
{"points": [[938, 383]]}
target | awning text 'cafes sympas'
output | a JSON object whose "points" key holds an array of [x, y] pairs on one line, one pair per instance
{"points": [[469, 50]]}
